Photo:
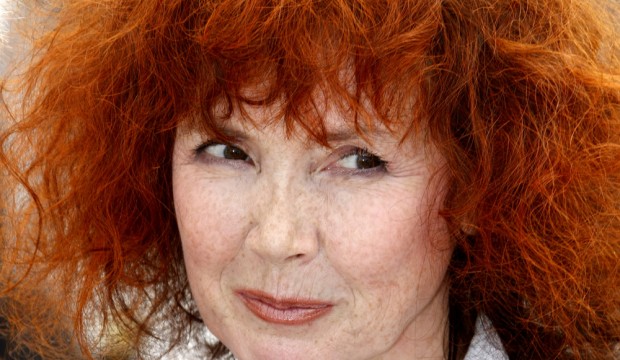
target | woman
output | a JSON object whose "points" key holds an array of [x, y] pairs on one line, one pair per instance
{"points": [[320, 179]]}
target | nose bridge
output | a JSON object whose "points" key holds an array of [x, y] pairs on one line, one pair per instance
{"points": [[284, 219]]}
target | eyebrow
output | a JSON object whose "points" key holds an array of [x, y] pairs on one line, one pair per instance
{"points": [[350, 133], [339, 135], [231, 132]]}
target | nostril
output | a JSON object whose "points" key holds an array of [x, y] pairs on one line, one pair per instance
{"points": [[296, 256]]}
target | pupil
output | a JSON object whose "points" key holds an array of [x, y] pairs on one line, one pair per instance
{"points": [[234, 153], [367, 161]]}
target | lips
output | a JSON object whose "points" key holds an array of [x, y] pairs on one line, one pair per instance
{"points": [[285, 311]]}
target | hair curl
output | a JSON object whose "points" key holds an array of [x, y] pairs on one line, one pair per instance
{"points": [[521, 97]]}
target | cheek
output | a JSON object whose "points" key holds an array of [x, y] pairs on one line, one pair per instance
{"points": [[208, 223], [389, 240]]}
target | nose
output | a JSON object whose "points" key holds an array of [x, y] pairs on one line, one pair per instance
{"points": [[285, 221]]}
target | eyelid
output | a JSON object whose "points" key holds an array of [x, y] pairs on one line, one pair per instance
{"points": [[201, 154], [350, 150], [203, 145], [200, 150]]}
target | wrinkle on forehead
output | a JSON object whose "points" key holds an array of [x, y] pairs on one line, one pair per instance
{"points": [[328, 115], [338, 128]]}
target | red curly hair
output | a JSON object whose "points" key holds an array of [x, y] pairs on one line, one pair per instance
{"points": [[521, 97]]}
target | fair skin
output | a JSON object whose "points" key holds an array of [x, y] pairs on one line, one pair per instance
{"points": [[295, 250]]}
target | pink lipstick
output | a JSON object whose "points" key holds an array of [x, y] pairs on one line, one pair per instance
{"points": [[285, 311]]}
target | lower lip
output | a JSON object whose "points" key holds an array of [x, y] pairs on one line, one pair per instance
{"points": [[284, 314]]}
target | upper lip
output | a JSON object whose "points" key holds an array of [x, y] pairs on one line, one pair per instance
{"points": [[283, 302]]}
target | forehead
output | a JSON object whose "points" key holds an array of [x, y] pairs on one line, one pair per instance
{"points": [[326, 115], [336, 126], [300, 56]]}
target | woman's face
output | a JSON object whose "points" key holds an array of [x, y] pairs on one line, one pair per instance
{"points": [[299, 251]]}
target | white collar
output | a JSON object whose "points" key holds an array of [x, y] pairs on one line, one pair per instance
{"points": [[485, 345]]}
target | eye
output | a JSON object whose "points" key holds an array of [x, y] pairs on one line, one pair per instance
{"points": [[223, 151], [361, 159]]}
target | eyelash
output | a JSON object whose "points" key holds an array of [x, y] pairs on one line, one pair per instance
{"points": [[380, 165], [377, 163], [201, 147], [200, 150]]}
